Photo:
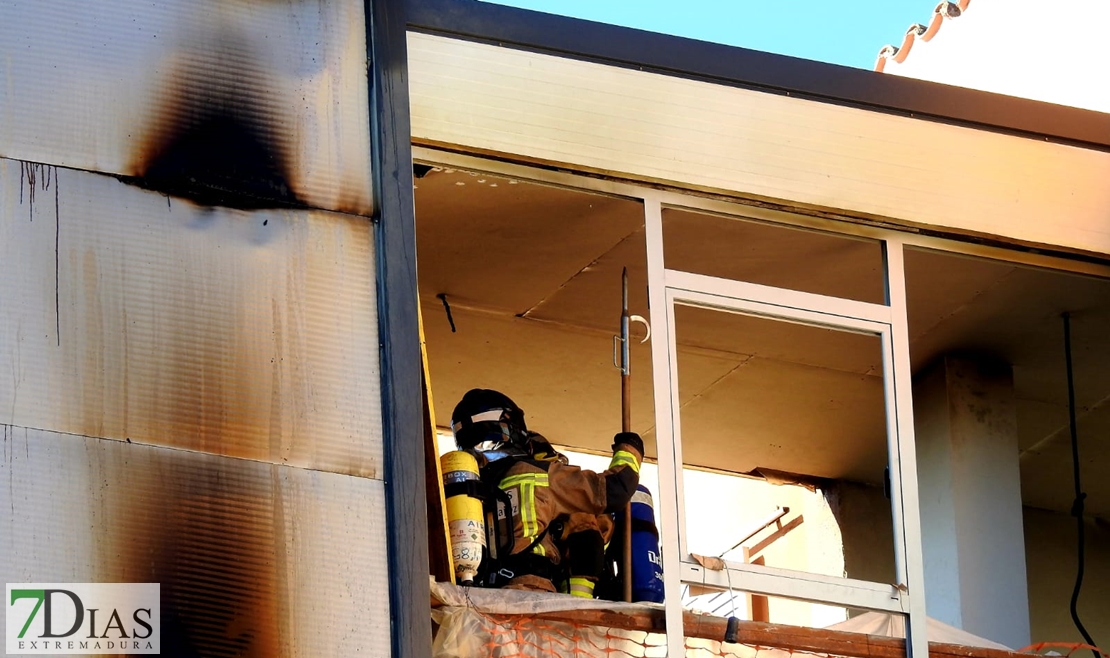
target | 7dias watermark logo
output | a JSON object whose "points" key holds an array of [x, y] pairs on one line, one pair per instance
{"points": [[74, 618]]}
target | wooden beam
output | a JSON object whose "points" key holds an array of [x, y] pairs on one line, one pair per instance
{"points": [[763, 634], [776, 535], [439, 549]]}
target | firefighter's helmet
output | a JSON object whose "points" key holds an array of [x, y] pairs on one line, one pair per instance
{"points": [[485, 416]]}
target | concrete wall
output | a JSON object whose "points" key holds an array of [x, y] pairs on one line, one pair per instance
{"points": [[970, 491], [866, 530]]}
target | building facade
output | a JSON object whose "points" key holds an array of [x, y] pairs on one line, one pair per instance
{"points": [[215, 270]]}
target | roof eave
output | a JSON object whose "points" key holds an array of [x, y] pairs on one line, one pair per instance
{"points": [[678, 56]]}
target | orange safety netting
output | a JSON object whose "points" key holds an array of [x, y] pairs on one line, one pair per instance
{"points": [[465, 633], [1072, 647]]}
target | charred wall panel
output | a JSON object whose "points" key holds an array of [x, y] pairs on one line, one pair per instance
{"points": [[126, 314], [189, 356], [242, 103], [254, 559]]}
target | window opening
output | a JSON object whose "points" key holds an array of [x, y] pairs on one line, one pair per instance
{"points": [[773, 255], [987, 336], [520, 291], [532, 275], [955, 303], [800, 410], [789, 293]]}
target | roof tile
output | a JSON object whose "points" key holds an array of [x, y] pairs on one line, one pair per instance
{"points": [[917, 31]]}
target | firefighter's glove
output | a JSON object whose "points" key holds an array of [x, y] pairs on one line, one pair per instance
{"points": [[624, 470], [629, 439]]}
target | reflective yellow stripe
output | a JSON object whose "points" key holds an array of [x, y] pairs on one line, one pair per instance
{"points": [[528, 510], [527, 482], [581, 587], [513, 480], [623, 458]]}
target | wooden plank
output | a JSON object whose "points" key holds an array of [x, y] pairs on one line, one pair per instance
{"points": [[439, 549], [764, 634]]}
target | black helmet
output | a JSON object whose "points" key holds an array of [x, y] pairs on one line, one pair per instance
{"points": [[486, 415]]}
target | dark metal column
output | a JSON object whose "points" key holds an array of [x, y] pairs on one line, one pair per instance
{"points": [[390, 137]]}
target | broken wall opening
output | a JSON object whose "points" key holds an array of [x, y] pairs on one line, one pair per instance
{"points": [[520, 292], [532, 277], [987, 341], [460, 257]]}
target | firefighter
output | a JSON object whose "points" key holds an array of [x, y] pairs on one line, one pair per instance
{"points": [[560, 512]]}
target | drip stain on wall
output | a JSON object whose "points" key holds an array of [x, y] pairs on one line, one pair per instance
{"points": [[36, 176]]}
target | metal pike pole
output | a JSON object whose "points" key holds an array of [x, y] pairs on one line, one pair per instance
{"points": [[626, 417], [626, 426]]}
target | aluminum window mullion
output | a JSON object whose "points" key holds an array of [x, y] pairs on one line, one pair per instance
{"points": [[668, 449], [917, 641], [774, 312], [792, 299], [676, 427], [802, 586], [894, 462]]}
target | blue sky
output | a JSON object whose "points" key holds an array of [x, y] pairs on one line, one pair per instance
{"points": [[847, 33]]}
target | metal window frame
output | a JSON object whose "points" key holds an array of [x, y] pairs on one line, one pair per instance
{"points": [[668, 288], [395, 247], [697, 291]]}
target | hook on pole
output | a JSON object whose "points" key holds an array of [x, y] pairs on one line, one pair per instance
{"points": [[643, 321]]}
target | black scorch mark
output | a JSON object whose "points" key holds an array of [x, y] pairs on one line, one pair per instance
{"points": [[219, 138]]}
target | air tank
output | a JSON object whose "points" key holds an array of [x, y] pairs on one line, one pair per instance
{"points": [[466, 527]]}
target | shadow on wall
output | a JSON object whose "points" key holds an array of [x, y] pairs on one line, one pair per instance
{"points": [[1050, 564]]}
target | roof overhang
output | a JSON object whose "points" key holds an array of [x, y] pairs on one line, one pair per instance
{"points": [[640, 50], [804, 152]]}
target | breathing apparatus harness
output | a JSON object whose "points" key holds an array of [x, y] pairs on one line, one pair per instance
{"points": [[500, 564]]}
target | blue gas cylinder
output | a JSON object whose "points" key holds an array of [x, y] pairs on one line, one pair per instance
{"points": [[647, 561]]}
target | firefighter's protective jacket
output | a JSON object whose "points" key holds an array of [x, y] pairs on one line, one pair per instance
{"points": [[542, 491]]}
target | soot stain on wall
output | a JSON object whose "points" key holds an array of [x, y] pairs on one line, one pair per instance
{"points": [[220, 137], [203, 528]]}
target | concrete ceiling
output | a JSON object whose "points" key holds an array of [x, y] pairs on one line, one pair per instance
{"points": [[532, 275]]}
